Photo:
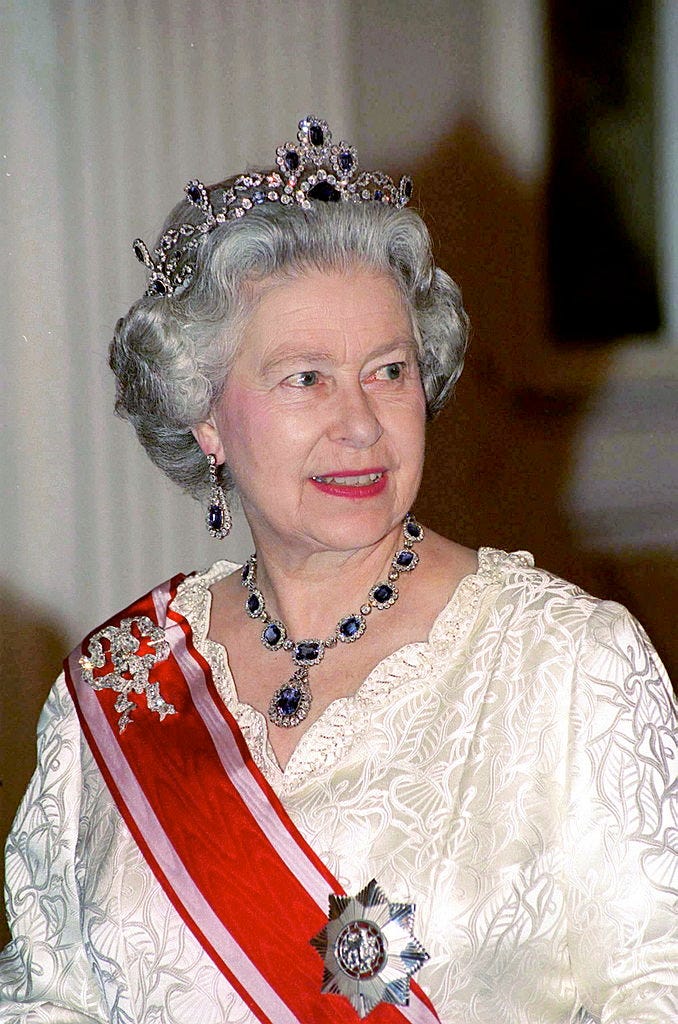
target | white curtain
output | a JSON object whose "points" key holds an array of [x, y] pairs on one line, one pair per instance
{"points": [[109, 108]]}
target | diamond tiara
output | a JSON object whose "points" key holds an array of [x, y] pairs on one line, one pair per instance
{"points": [[313, 169]]}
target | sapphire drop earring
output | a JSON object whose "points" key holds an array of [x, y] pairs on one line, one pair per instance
{"points": [[218, 517]]}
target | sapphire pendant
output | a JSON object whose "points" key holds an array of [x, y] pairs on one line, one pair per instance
{"points": [[291, 702]]}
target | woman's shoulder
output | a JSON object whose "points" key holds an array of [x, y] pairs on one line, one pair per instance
{"points": [[214, 573], [514, 578], [511, 580], [522, 598], [505, 592]]}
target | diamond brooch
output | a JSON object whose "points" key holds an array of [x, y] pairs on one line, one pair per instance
{"points": [[124, 668]]}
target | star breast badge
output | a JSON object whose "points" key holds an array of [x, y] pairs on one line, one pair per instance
{"points": [[369, 949], [132, 649]]}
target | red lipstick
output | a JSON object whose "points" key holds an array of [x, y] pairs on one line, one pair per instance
{"points": [[355, 491]]}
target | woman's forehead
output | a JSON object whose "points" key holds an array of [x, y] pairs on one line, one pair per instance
{"points": [[332, 283], [327, 302]]}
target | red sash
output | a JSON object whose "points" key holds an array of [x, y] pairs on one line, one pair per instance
{"points": [[216, 836]]}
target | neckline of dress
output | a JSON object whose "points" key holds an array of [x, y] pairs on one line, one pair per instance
{"points": [[330, 735]]}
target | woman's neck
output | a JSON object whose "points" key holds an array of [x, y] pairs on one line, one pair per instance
{"points": [[311, 591]]}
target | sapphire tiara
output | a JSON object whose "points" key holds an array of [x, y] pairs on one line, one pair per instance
{"points": [[312, 169]]}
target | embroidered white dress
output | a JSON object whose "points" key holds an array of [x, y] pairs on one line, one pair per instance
{"points": [[516, 777]]}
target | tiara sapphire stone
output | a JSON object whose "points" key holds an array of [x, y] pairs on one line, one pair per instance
{"points": [[316, 135], [325, 192], [346, 162], [292, 159]]}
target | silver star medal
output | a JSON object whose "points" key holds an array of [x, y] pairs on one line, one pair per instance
{"points": [[128, 671], [369, 949]]}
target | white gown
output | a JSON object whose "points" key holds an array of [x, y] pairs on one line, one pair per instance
{"points": [[516, 777]]}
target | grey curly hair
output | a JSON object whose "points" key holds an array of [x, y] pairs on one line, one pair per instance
{"points": [[171, 355]]}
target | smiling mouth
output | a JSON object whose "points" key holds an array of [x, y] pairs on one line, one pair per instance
{"points": [[349, 481]]}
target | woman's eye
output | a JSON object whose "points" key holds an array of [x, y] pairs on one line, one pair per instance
{"points": [[305, 379], [392, 371]]}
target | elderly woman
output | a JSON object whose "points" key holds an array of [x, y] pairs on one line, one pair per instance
{"points": [[370, 771]]}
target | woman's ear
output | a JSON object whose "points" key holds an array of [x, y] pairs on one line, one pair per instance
{"points": [[207, 436]]}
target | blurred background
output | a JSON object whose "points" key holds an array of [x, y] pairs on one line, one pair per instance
{"points": [[544, 150]]}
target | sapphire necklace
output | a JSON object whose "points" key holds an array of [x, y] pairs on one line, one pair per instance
{"points": [[291, 702]]}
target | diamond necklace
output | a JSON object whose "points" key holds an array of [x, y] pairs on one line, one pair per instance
{"points": [[291, 702]]}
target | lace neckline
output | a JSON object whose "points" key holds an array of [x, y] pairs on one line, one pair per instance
{"points": [[329, 738]]}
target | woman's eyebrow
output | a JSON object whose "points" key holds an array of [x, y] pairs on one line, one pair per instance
{"points": [[407, 342], [283, 356]]}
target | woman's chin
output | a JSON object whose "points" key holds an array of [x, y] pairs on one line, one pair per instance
{"points": [[346, 524]]}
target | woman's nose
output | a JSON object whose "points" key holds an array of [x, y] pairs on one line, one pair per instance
{"points": [[356, 421]]}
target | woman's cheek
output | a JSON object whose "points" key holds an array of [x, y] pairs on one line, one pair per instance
{"points": [[255, 425]]}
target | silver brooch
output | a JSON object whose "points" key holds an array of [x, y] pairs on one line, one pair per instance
{"points": [[369, 949], [126, 670]]}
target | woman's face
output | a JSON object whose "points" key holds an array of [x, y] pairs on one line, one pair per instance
{"points": [[322, 418]]}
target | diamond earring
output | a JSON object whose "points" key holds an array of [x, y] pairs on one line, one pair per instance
{"points": [[218, 518]]}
